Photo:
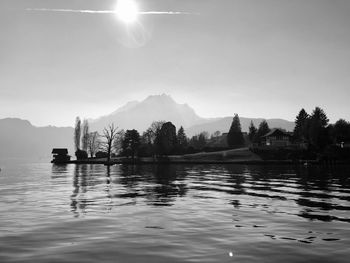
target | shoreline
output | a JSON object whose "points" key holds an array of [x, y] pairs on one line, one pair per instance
{"points": [[232, 156], [247, 162]]}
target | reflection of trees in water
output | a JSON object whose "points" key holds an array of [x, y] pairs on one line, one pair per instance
{"points": [[170, 183], [314, 184], [74, 203], [318, 197], [86, 176], [249, 180], [311, 188], [159, 184], [236, 178], [315, 192]]}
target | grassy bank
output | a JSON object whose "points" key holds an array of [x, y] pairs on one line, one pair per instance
{"points": [[235, 156]]}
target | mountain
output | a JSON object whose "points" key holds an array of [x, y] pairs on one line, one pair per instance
{"points": [[20, 139], [140, 115], [223, 125]]}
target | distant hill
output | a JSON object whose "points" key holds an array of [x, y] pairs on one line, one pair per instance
{"points": [[223, 125], [20, 139], [140, 115]]}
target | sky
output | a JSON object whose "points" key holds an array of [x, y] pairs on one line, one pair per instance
{"points": [[257, 58]]}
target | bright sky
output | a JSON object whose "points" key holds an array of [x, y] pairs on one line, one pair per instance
{"points": [[261, 58]]}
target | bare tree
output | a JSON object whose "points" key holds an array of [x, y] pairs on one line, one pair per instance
{"points": [[93, 143], [77, 133], [117, 144], [150, 134], [110, 133], [85, 137]]}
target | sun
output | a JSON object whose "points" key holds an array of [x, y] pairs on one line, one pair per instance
{"points": [[126, 10]]}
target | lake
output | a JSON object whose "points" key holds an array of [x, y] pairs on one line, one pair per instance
{"points": [[174, 213]]}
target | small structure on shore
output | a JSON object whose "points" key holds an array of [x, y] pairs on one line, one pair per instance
{"points": [[277, 137], [60, 155]]}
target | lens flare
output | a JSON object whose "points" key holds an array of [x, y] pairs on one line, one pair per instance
{"points": [[126, 10]]}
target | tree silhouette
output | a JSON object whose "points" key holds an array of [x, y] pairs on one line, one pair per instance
{"points": [[262, 130], [85, 136], [341, 131], [131, 143], [151, 133], [166, 139], [199, 141], [318, 132], [93, 143], [301, 126], [77, 133], [110, 133], [235, 135], [182, 141], [252, 132]]}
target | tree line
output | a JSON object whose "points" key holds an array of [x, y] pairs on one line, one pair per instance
{"points": [[162, 138], [314, 130]]}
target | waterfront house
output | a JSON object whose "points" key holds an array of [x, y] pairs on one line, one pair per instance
{"points": [[277, 137], [60, 155]]}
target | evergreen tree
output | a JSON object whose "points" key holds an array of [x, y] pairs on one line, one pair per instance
{"points": [[252, 132], [131, 143], [85, 136], [262, 130], [181, 138], [341, 131], [320, 117], [166, 139], [318, 133], [235, 135], [77, 133], [301, 126]]}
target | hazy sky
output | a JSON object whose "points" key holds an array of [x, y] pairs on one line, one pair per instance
{"points": [[262, 58]]}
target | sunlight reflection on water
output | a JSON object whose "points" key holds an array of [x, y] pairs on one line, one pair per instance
{"points": [[175, 213]]}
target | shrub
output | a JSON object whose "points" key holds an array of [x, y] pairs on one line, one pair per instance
{"points": [[80, 154], [101, 154]]}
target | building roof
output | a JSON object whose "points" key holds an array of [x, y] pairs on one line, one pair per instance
{"points": [[59, 151], [276, 132]]}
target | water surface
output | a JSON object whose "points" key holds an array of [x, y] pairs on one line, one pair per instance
{"points": [[174, 213]]}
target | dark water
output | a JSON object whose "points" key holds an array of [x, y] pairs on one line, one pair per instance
{"points": [[177, 213]]}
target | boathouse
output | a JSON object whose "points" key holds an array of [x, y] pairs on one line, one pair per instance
{"points": [[277, 137], [60, 155]]}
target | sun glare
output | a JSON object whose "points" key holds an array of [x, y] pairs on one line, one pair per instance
{"points": [[126, 10]]}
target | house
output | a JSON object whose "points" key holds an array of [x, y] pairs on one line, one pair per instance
{"points": [[60, 155], [277, 137]]}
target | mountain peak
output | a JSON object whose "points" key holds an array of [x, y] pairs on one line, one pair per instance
{"points": [[140, 115], [160, 98]]}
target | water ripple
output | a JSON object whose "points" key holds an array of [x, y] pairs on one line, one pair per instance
{"points": [[176, 213]]}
